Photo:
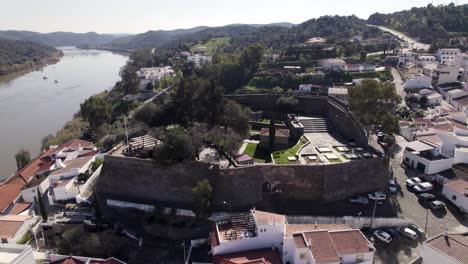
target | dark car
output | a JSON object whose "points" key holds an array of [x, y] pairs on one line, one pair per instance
{"points": [[426, 197], [393, 232]]}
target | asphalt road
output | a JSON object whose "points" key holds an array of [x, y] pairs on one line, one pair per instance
{"points": [[413, 44]]}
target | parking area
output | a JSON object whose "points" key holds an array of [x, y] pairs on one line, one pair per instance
{"points": [[405, 204]]}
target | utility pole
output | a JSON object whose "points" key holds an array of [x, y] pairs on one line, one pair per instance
{"points": [[373, 214], [126, 131], [185, 258], [427, 217]]}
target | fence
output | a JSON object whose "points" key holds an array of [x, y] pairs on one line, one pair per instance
{"points": [[353, 221]]}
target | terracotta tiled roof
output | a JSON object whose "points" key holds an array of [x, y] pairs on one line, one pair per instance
{"points": [[299, 228], [8, 193], [10, 224], [106, 261], [259, 256], [460, 186], [321, 246], [350, 242], [74, 144], [35, 165], [266, 218], [19, 208], [299, 241], [69, 260], [279, 132], [454, 245]]}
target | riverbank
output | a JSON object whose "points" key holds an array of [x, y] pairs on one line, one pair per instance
{"points": [[17, 70]]}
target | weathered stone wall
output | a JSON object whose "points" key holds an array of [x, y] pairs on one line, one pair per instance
{"points": [[141, 181], [138, 180]]}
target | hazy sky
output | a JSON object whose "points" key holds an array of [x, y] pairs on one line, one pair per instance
{"points": [[135, 16]]}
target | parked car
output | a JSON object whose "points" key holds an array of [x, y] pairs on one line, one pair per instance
{"points": [[416, 228], [393, 232], [436, 205], [409, 233], [392, 186], [426, 197], [377, 196], [413, 181], [423, 187], [383, 236], [360, 200]]}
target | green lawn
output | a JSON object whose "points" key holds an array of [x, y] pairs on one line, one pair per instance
{"points": [[214, 45], [259, 155], [281, 156]]}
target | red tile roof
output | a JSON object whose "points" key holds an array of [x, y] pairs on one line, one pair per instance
{"points": [[89, 154], [106, 261], [10, 224], [259, 256], [267, 218], [279, 132], [19, 208], [299, 241], [9, 192], [321, 246], [34, 166], [299, 228], [454, 246], [350, 242], [459, 186], [74, 144], [69, 260]]}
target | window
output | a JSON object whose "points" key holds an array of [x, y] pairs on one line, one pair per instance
{"points": [[4, 241], [454, 197], [302, 255]]}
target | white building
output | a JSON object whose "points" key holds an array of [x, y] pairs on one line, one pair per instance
{"points": [[426, 157], [64, 190], [419, 81], [333, 64], [434, 99], [63, 259], [457, 193], [447, 56], [340, 93], [445, 248], [245, 235], [200, 59], [70, 168], [405, 57], [155, 73], [16, 254], [461, 60], [13, 227], [446, 74], [423, 60], [29, 191]]}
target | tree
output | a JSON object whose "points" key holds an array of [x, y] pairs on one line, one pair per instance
{"points": [[176, 147], [96, 111], [130, 79], [286, 103], [201, 194], [374, 104], [272, 135], [42, 208], [236, 118], [250, 59], [23, 157]]}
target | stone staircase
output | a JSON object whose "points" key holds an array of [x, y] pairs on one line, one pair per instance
{"points": [[315, 125]]}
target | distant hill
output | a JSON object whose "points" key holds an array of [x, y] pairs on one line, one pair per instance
{"points": [[56, 39], [20, 55], [429, 24], [275, 36]]}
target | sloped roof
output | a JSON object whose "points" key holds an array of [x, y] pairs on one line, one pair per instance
{"points": [[296, 228], [19, 208], [68, 260], [454, 246], [10, 224], [35, 165], [74, 144], [72, 164], [350, 242], [321, 246], [259, 256], [278, 132], [459, 186], [10, 191]]}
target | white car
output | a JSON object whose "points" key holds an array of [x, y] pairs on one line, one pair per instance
{"points": [[409, 233], [392, 186], [435, 205], [423, 187], [377, 196], [360, 200], [413, 181], [383, 236]]}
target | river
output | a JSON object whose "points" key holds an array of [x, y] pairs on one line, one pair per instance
{"points": [[31, 107]]}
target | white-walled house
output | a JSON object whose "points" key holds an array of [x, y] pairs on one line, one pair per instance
{"points": [[63, 190], [405, 57], [200, 59], [426, 59], [446, 74], [419, 81], [29, 191], [155, 73], [333, 64], [70, 168], [457, 193], [447, 55], [445, 248], [249, 235], [434, 99], [426, 157], [16, 254]]}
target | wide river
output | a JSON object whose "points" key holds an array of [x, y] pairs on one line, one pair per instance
{"points": [[31, 107]]}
